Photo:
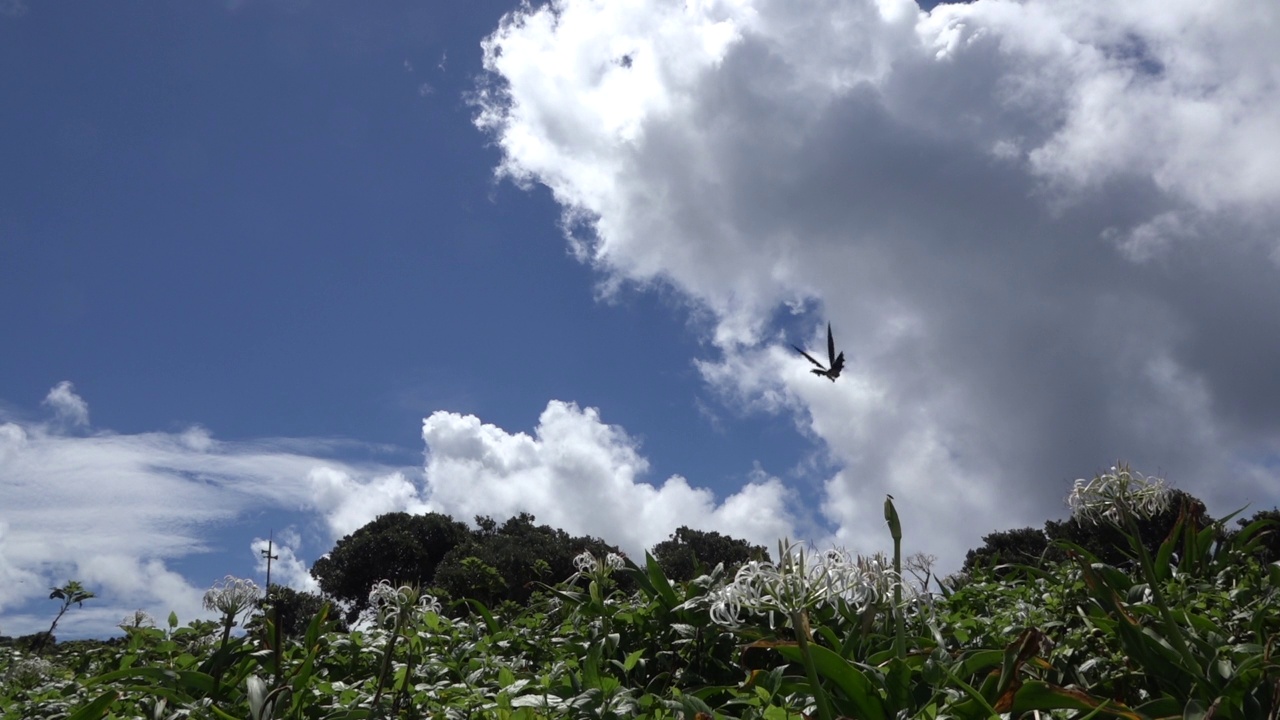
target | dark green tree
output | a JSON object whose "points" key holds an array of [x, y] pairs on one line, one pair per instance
{"points": [[1023, 546], [1268, 550], [689, 553], [294, 609], [505, 563], [399, 547]]}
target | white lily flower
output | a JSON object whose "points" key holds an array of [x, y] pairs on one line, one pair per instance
{"points": [[799, 582], [232, 596], [585, 562], [1107, 496]]}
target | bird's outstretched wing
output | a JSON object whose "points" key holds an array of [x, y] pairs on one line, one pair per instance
{"points": [[810, 357], [831, 346]]}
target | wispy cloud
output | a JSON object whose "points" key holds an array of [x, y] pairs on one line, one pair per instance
{"points": [[13, 8], [118, 511]]}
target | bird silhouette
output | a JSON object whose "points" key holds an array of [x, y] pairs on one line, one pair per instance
{"points": [[837, 361]]}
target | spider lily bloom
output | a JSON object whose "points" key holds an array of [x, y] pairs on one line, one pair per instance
{"points": [[797, 584], [585, 562], [396, 607], [391, 602], [588, 564], [231, 596], [138, 620], [1120, 497], [878, 570], [1110, 495]]}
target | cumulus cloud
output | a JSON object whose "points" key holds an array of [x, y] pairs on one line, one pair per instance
{"points": [[1047, 233], [577, 473], [349, 500], [286, 567], [69, 407]]}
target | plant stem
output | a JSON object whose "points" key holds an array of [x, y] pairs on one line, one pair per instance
{"points": [[386, 658], [899, 621], [800, 622], [1174, 631]]}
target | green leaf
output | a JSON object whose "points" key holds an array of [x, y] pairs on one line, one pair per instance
{"points": [[489, 622], [860, 691], [173, 620], [660, 582], [97, 708], [978, 661], [1037, 695], [630, 663]]}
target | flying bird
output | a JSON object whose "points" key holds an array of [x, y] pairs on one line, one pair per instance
{"points": [[837, 361]]}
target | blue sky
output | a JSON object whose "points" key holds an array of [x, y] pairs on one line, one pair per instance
{"points": [[285, 265]]}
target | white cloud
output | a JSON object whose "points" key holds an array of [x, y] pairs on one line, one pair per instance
{"points": [[349, 500], [584, 476], [67, 405], [286, 567], [118, 512], [936, 184], [121, 513]]}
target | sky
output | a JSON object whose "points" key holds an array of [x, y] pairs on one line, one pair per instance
{"points": [[271, 268]]}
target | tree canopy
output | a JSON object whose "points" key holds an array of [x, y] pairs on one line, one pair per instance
{"points": [[399, 547], [688, 553], [504, 563]]}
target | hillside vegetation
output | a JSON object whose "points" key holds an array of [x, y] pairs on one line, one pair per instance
{"points": [[1140, 606]]}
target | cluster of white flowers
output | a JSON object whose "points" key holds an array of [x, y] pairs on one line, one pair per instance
{"points": [[232, 596], [390, 601], [139, 619], [799, 582], [28, 672], [587, 563], [1120, 490]]}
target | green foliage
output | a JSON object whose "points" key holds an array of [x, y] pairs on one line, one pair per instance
{"points": [[293, 609], [398, 547], [1024, 546], [1183, 626], [689, 553], [1266, 525], [472, 578], [506, 563]]}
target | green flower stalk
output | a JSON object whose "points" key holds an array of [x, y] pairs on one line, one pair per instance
{"points": [[799, 583], [1119, 497], [895, 531], [397, 606]]}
